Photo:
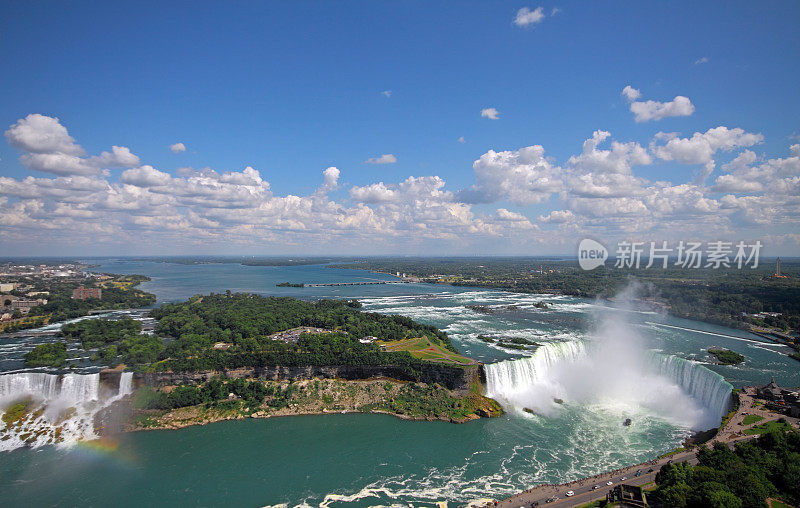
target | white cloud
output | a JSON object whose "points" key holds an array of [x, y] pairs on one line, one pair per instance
{"points": [[558, 217], [645, 111], [386, 158], [527, 17], [701, 60], [330, 179], [701, 147], [554, 11], [631, 93], [177, 148], [461, 139], [42, 134], [145, 176], [50, 148], [598, 191], [522, 176], [490, 113], [387, 93]]}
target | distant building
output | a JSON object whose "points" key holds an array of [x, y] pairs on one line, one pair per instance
{"points": [[11, 302], [222, 346], [778, 274], [7, 287], [84, 293]]}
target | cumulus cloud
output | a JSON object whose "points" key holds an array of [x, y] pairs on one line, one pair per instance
{"points": [[42, 134], [522, 176], [50, 148], [177, 148], [461, 139], [701, 147], [330, 179], [386, 158], [528, 18], [490, 113], [701, 60], [145, 176], [646, 111], [386, 93], [631, 93]]}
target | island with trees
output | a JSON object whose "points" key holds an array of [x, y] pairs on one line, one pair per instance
{"points": [[726, 356], [232, 355]]}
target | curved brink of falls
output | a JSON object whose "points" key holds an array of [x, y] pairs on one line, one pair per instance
{"points": [[59, 408], [685, 392]]}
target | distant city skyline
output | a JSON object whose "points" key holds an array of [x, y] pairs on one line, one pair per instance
{"points": [[503, 128]]}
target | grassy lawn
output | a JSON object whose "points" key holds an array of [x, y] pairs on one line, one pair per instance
{"points": [[751, 419], [766, 427], [774, 503], [424, 349]]}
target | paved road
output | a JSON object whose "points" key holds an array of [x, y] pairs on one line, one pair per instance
{"points": [[583, 489]]}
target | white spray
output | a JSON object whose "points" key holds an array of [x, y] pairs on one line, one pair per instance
{"points": [[615, 370]]}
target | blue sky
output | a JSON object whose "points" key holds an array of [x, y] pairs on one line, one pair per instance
{"points": [[293, 88]]}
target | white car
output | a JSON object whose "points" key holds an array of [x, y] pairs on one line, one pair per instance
{"points": [[570, 493], [609, 482], [623, 478]]}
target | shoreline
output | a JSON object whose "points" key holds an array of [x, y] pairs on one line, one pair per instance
{"points": [[316, 396]]}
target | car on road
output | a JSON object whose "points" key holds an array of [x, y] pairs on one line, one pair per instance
{"points": [[570, 493], [596, 487], [609, 482], [638, 473], [623, 478], [650, 470]]}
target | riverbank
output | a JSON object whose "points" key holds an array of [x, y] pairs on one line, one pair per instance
{"points": [[317, 396], [735, 429]]}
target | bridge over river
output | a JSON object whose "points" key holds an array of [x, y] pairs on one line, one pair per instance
{"points": [[363, 283]]}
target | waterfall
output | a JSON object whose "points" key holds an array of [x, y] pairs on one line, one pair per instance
{"points": [[506, 379], [57, 408], [701, 383], [125, 384], [668, 386]]}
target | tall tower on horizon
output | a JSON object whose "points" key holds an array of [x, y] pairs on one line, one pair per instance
{"points": [[778, 267]]}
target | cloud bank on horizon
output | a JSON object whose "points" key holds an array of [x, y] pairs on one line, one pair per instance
{"points": [[114, 199]]}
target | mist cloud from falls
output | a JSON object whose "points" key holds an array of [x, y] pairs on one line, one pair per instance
{"points": [[613, 372]]}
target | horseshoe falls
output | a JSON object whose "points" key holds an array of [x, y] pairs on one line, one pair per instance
{"points": [[576, 373]]}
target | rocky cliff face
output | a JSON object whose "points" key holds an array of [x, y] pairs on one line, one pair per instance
{"points": [[457, 379]]}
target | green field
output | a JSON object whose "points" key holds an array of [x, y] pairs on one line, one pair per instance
{"points": [[749, 419], [424, 349], [766, 427]]}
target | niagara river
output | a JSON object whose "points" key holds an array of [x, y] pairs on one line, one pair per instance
{"points": [[565, 399]]}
